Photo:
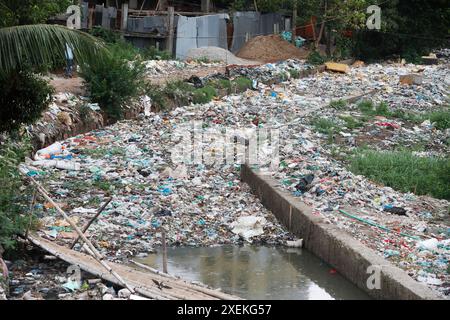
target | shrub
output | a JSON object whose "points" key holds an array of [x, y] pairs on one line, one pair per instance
{"points": [[295, 74], [315, 58], [222, 84], [179, 91], [242, 83], [23, 97], [204, 95], [114, 80], [157, 95], [324, 125], [350, 122], [106, 35], [125, 50], [440, 118], [405, 172], [12, 222]]}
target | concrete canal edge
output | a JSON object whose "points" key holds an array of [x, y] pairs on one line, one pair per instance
{"points": [[344, 253]]}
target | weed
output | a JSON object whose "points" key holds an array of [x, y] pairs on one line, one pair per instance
{"points": [[242, 83], [350, 122], [324, 126], [366, 107], [315, 58], [204, 95], [338, 104], [13, 199], [405, 172], [295, 74]]}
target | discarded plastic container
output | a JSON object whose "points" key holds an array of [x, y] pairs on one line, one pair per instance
{"points": [[63, 165], [48, 151]]}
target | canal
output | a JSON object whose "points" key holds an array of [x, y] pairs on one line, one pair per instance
{"points": [[255, 272]]}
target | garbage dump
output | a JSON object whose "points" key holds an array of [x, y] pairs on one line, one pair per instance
{"points": [[203, 204]]}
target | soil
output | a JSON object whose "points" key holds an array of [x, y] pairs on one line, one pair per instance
{"points": [[270, 49]]}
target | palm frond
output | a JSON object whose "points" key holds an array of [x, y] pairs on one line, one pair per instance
{"points": [[41, 44]]}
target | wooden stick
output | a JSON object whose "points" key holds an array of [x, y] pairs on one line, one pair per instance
{"points": [[197, 287], [164, 248], [157, 5], [160, 273], [96, 255], [86, 227]]}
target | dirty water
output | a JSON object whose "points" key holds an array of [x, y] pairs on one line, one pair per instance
{"points": [[252, 272]]}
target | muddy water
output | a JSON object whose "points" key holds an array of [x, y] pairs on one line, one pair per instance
{"points": [[253, 272]]}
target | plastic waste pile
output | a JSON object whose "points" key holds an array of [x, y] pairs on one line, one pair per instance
{"points": [[130, 161], [203, 204], [267, 72], [162, 67], [157, 67]]}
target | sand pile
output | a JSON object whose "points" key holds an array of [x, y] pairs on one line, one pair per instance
{"points": [[270, 49], [217, 54]]}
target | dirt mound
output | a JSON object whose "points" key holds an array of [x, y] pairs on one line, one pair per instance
{"points": [[270, 49], [217, 54]]}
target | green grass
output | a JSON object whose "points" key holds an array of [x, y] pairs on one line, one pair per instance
{"points": [[440, 118], [405, 172], [295, 74], [179, 91], [382, 109], [204, 95], [324, 126], [351, 123], [202, 60], [338, 104], [242, 83], [368, 108], [222, 84]]}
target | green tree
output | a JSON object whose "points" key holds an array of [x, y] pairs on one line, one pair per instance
{"points": [[13, 12]]}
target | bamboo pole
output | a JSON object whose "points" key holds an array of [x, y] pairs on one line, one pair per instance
{"points": [[86, 227], [162, 274], [147, 292], [96, 255], [195, 287]]}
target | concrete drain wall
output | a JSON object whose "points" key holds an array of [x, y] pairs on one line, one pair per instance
{"points": [[347, 255]]}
